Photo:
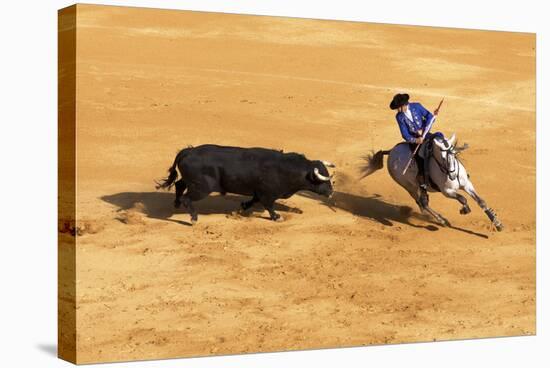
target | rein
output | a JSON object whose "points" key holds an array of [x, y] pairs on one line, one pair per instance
{"points": [[444, 168]]}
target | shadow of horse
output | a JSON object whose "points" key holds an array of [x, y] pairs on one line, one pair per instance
{"points": [[375, 208], [372, 207], [160, 205]]}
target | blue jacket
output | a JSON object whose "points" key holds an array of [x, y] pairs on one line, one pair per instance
{"points": [[410, 130]]}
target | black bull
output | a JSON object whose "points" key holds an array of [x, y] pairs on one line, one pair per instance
{"points": [[264, 174]]}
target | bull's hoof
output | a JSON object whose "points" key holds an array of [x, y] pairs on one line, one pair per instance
{"points": [[276, 217], [244, 212], [177, 204], [193, 221], [465, 210]]}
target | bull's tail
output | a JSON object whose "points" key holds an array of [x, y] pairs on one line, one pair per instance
{"points": [[373, 162], [169, 181]]}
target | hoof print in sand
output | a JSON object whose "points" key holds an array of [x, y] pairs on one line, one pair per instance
{"points": [[132, 216]]}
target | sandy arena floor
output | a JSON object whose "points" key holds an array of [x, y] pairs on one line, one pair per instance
{"points": [[369, 270]]}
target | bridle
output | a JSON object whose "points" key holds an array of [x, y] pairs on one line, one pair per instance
{"points": [[451, 165]]}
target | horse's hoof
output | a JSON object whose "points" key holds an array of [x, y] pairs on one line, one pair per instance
{"points": [[177, 204], [193, 221], [444, 222], [499, 226], [465, 210]]}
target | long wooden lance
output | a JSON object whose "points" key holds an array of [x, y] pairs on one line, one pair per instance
{"points": [[424, 134]]}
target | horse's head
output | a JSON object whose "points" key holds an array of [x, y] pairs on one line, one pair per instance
{"points": [[444, 151]]}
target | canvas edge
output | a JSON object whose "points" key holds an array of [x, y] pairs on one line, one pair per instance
{"points": [[66, 271]]}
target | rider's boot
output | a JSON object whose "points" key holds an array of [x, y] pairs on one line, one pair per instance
{"points": [[420, 179], [423, 189], [423, 178]]}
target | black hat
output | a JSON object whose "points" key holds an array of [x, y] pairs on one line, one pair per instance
{"points": [[399, 100]]}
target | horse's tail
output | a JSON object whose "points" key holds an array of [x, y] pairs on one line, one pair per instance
{"points": [[373, 162], [169, 181]]}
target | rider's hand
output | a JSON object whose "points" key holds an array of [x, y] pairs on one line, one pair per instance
{"points": [[419, 140]]}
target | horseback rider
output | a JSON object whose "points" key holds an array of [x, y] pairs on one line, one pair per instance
{"points": [[413, 118]]}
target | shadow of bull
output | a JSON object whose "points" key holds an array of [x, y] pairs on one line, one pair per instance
{"points": [[160, 205]]}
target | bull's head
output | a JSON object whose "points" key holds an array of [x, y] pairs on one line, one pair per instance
{"points": [[320, 179]]}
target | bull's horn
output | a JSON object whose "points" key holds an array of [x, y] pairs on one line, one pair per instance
{"points": [[452, 140], [320, 176], [328, 163]]}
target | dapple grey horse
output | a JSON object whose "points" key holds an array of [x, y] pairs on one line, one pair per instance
{"points": [[447, 175]]}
